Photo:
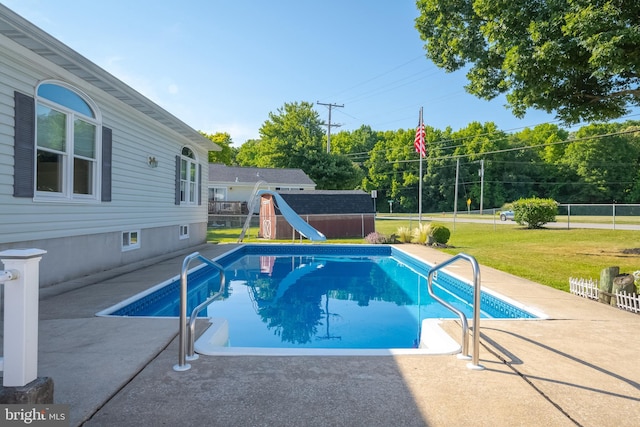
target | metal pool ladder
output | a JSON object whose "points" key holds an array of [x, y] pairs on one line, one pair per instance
{"points": [[187, 336], [476, 309]]}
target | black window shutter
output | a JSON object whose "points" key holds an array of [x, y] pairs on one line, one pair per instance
{"points": [[24, 145], [107, 145], [199, 184], [177, 202]]}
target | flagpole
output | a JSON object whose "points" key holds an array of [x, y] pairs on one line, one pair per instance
{"points": [[420, 124]]}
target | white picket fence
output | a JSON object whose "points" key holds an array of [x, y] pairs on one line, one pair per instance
{"points": [[588, 288], [629, 302]]}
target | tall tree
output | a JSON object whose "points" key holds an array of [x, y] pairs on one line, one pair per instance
{"points": [[579, 58], [440, 171], [485, 143], [332, 171], [605, 161], [292, 138], [357, 142], [249, 153], [551, 178], [393, 170], [223, 140], [380, 174]]}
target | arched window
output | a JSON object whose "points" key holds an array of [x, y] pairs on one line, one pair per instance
{"points": [[189, 190], [67, 144]]}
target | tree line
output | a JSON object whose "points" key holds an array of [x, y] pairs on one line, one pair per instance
{"points": [[598, 163]]}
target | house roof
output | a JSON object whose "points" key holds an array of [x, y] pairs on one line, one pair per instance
{"points": [[324, 202], [248, 175], [24, 33]]}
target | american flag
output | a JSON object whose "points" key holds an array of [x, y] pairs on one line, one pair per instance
{"points": [[418, 142]]}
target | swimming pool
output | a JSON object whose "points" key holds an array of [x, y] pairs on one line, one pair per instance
{"points": [[318, 297]]}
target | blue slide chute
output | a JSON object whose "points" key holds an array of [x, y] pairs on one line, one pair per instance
{"points": [[294, 219]]}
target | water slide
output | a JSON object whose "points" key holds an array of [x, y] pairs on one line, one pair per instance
{"points": [[294, 219]]}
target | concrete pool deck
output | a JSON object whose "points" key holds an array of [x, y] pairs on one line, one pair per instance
{"points": [[580, 367]]}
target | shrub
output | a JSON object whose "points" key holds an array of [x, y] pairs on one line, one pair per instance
{"points": [[376, 238], [535, 212], [439, 233], [403, 234], [420, 234]]}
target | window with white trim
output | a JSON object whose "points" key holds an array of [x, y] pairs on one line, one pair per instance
{"points": [[68, 144], [184, 231], [188, 177], [130, 240]]}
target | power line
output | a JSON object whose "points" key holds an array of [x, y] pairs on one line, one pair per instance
{"points": [[380, 75], [505, 136], [506, 150]]}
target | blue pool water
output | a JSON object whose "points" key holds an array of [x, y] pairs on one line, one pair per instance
{"points": [[321, 296]]}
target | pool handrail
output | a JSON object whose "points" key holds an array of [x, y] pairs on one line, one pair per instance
{"points": [[187, 336], [194, 314], [476, 308]]}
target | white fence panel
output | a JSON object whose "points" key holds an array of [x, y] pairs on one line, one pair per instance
{"points": [[629, 302], [586, 288]]}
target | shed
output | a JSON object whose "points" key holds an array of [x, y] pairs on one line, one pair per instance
{"points": [[335, 213]]}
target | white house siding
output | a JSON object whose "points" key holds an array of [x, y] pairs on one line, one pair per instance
{"points": [[241, 192], [82, 238]]}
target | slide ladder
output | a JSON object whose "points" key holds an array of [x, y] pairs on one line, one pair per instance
{"points": [[252, 206]]}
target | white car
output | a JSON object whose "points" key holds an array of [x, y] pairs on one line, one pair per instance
{"points": [[507, 215]]}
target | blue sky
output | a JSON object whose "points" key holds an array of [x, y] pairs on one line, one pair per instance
{"points": [[223, 66]]}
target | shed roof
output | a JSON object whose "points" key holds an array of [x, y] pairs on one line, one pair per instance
{"points": [[23, 32], [326, 202], [223, 173]]}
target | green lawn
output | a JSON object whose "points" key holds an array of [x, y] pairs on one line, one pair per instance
{"points": [[547, 256]]}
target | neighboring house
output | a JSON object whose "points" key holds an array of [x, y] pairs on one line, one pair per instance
{"points": [[231, 187], [335, 213], [90, 170]]}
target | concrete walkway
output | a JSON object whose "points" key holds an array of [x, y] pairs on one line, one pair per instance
{"points": [[581, 367]]}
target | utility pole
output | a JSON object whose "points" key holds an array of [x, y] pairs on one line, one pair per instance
{"points": [[455, 196], [329, 125], [481, 173]]}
